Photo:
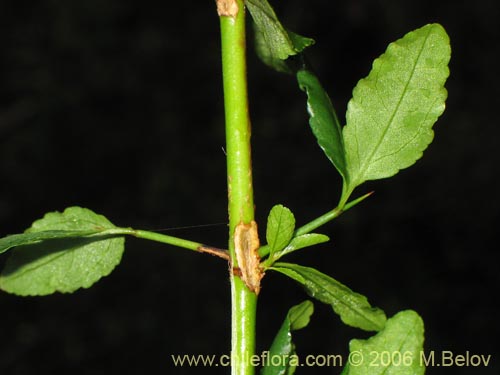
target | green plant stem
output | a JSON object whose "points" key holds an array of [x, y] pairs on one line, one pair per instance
{"points": [[329, 216], [239, 167], [239, 181], [318, 222]]}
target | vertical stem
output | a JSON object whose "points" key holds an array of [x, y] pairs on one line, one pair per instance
{"points": [[239, 175], [239, 165]]}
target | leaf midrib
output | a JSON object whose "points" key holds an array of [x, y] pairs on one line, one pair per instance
{"points": [[364, 166], [357, 312]]}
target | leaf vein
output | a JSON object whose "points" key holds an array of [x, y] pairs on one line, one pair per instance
{"points": [[368, 160]]}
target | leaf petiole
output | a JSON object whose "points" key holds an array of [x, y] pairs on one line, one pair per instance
{"points": [[170, 240]]}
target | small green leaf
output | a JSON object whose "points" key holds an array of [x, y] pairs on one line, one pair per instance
{"points": [[62, 264], [282, 350], [300, 43], [280, 227], [353, 308], [392, 111], [273, 43], [299, 315], [273, 32], [396, 350], [323, 121], [265, 54], [300, 242]]}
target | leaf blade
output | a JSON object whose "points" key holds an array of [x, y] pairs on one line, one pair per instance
{"points": [[302, 241], [62, 264], [273, 43], [280, 228], [390, 117], [274, 33], [402, 338], [353, 308], [29, 238], [298, 317], [323, 121]]}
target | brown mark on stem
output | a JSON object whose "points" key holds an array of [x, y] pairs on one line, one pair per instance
{"points": [[227, 8], [214, 251], [246, 245]]}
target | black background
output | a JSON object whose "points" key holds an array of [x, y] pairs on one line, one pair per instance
{"points": [[117, 106]]}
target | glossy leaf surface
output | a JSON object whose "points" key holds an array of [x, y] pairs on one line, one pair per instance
{"points": [[282, 348], [323, 120], [353, 308]]}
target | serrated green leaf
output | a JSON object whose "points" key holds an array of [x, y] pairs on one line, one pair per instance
{"points": [[273, 32], [353, 308], [390, 117], [300, 42], [282, 348], [323, 121], [396, 350], [273, 43], [265, 54], [29, 238], [280, 228], [62, 264]]}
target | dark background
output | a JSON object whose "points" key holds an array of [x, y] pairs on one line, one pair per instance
{"points": [[116, 106]]}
